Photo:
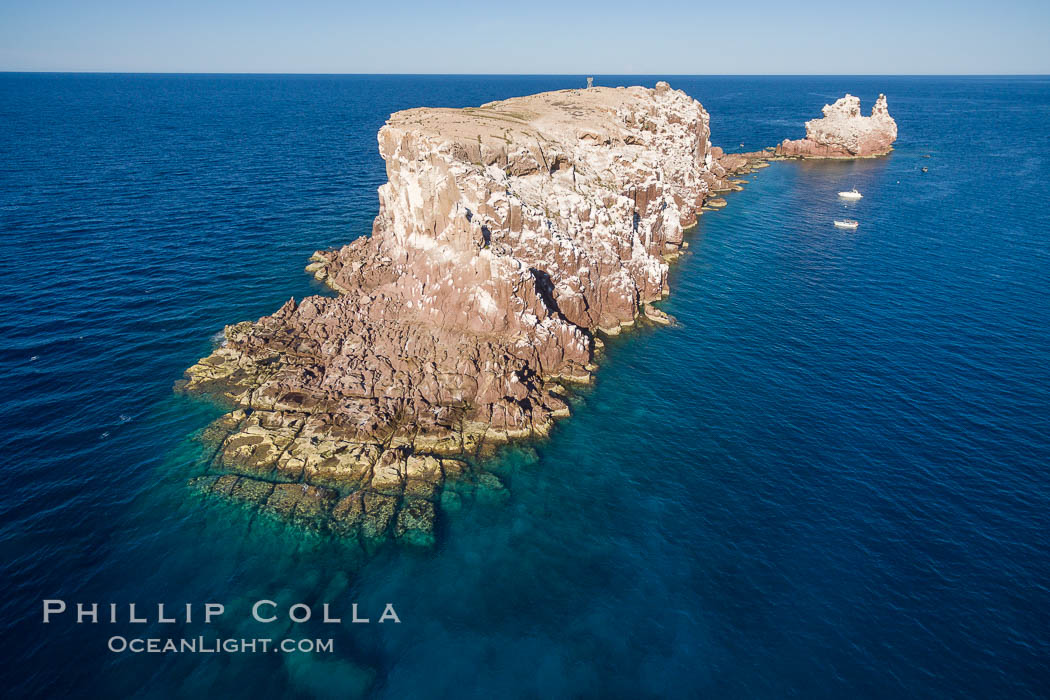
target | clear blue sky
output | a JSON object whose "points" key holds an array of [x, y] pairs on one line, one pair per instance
{"points": [[540, 36]]}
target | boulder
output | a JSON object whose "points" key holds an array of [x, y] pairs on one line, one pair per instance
{"points": [[844, 133]]}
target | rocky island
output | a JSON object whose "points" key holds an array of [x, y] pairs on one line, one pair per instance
{"points": [[510, 238], [844, 133]]}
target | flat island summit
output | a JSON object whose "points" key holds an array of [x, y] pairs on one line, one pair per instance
{"points": [[510, 237]]}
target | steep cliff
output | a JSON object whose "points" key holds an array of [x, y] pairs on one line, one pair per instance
{"points": [[844, 133], [507, 235]]}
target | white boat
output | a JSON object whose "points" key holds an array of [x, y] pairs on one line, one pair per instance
{"points": [[852, 194], [846, 223]]}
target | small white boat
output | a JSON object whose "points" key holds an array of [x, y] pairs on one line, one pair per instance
{"points": [[846, 223], [852, 194]]}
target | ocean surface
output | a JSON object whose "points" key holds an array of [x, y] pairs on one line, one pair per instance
{"points": [[829, 481]]}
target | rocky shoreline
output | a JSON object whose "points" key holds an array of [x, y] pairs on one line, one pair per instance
{"points": [[510, 238]]}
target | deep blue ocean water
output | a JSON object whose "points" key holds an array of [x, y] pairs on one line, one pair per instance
{"points": [[829, 481]]}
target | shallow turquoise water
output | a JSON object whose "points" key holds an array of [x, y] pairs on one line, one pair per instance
{"points": [[828, 481]]}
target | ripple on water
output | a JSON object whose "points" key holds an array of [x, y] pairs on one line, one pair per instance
{"points": [[827, 482]]}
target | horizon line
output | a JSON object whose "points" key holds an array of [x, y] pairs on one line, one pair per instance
{"points": [[437, 74]]}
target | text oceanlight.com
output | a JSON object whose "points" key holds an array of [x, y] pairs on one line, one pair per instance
{"points": [[200, 645]]}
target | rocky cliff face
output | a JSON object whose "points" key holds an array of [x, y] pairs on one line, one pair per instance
{"points": [[844, 133], [507, 235]]}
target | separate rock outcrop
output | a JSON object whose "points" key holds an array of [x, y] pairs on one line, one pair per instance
{"points": [[844, 133], [507, 236]]}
